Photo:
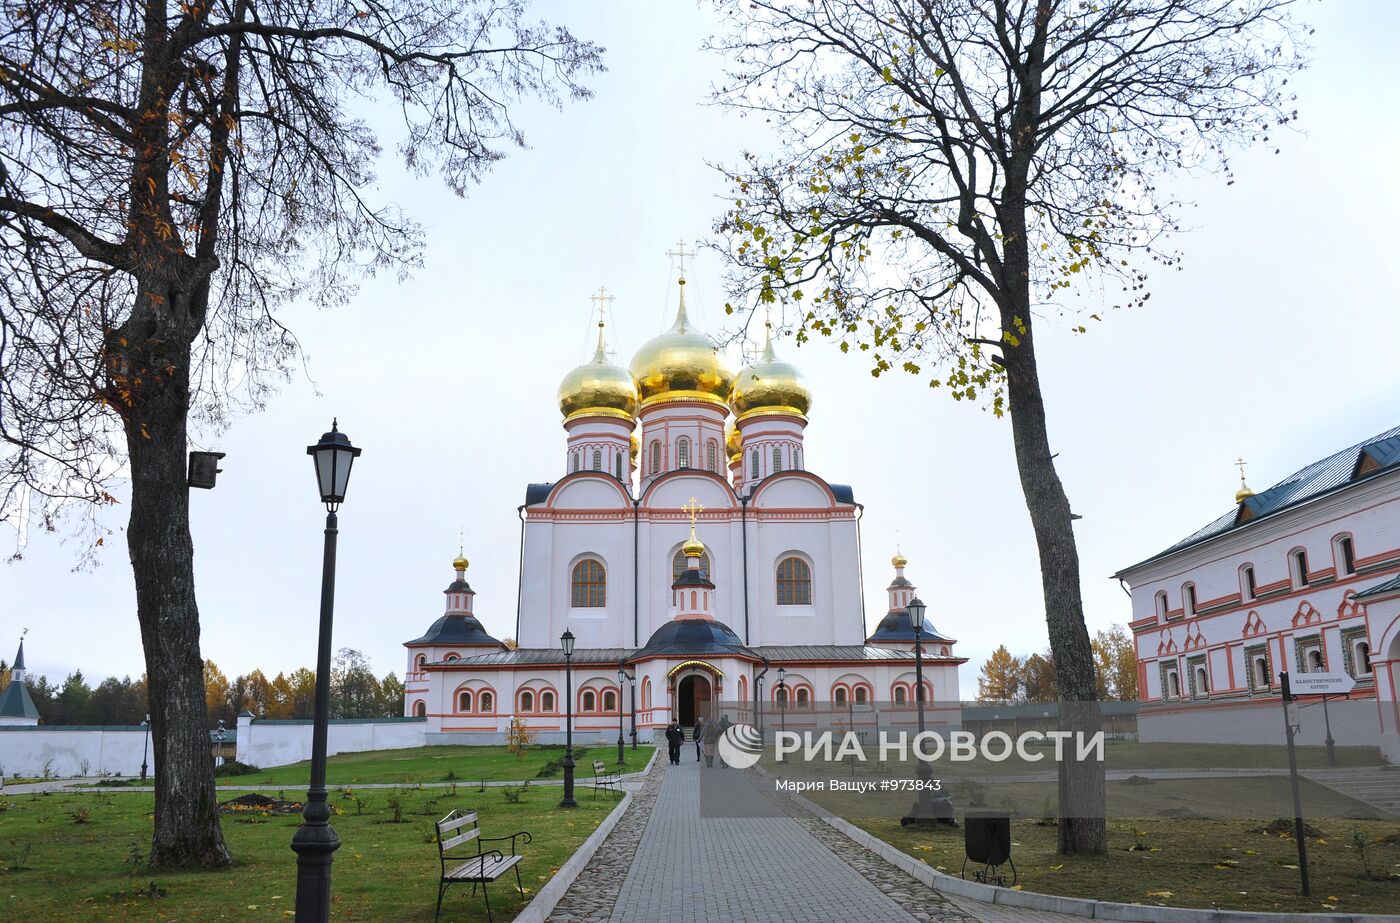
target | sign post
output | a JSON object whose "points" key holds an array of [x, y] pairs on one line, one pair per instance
{"points": [[1290, 712], [1326, 685]]}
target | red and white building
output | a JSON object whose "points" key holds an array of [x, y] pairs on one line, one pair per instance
{"points": [[1302, 577], [688, 544]]}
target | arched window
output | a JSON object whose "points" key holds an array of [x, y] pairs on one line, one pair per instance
{"points": [[838, 695], [464, 701], [1202, 683], [862, 696], [617, 466], [804, 697], [1261, 673], [921, 694], [527, 701], [780, 695], [1188, 598], [1363, 658], [597, 460], [1161, 602], [655, 457], [797, 459], [711, 456], [1346, 556], [1315, 661], [1173, 685], [485, 701], [777, 459], [451, 658], [422, 662], [682, 452], [420, 709], [899, 696], [1300, 568], [575, 462], [590, 701], [1248, 588], [794, 582], [547, 701], [589, 585], [753, 464], [609, 700]]}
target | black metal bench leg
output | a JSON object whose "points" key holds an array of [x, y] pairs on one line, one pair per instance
{"points": [[487, 895], [442, 889], [518, 886]]}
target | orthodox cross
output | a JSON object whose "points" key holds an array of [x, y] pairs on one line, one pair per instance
{"points": [[1241, 463], [693, 507], [604, 302], [461, 540], [681, 253]]}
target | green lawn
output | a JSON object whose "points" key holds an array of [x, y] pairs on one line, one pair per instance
{"points": [[443, 764], [66, 857]]}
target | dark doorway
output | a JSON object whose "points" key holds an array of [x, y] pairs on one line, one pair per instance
{"points": [[692, 699]]}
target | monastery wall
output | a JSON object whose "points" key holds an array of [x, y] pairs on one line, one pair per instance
{"points": [[72, 750]]}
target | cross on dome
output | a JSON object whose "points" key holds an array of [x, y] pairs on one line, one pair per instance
{"points": [[1244, 492], [680, 252]]}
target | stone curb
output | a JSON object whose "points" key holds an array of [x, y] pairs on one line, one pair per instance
{"points": [[545, 900], [1073, 906]]}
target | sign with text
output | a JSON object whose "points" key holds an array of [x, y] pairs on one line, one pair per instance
{"points": [[1321, 683]]}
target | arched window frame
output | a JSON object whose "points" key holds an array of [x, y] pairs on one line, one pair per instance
{"points": [[1188, 598], [862, 694], [1298, 567], [617, 465], [527, 701], [1161, 604], [781, 694], [610, 701], [588, 701], [486, 702], [1202, 678], [777, 459], [1249, 583], [420, 709], [574, 466], [547, 701], [797, 459], [1361, 657], [656, 456], [465, 701], [793, 581], [1173, 690], [588, 584], [899, 695], [597, 459], [421, 662], [838, 695], [711, 456], [683, 452], [1344, 554], [753, 464], [802, 696]]}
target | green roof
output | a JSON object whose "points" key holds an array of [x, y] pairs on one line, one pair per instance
{"points": [[15, 702]]}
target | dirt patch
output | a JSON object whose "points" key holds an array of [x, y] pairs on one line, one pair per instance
{"points": [[262, 804]]}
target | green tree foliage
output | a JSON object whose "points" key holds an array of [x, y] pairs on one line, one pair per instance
{"points": [[950, 174]]}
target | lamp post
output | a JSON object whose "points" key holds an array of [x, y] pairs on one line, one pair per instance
{"points": [[566, 640], [622, 677], [316, 841], [782, 706], [923, 807], [219, 737], [632, 686], [145, 745]]}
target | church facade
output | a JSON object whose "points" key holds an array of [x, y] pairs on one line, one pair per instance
{"points": [[696, 560]]}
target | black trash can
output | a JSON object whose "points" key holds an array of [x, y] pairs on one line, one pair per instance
{"points": [[987, 843]]}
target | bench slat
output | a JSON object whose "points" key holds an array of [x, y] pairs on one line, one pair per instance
{"points": [[487, 868], [446, 825], [461, 838]]}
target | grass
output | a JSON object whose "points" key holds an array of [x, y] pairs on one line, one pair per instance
{"points": [[443, 764], [79, 857]]}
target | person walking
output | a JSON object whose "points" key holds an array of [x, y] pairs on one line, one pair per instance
{"points": [[674, 738], [699, 732], [710, 738]]}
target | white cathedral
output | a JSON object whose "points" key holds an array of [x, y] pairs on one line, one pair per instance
{"points": [[698, 563]]}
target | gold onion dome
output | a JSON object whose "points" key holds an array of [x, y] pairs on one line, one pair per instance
{"points": [[693, 547], [733, 442], [770, 386], [460, 562], [1243, 493], [899, 560], [598, 389], [682, 364]]}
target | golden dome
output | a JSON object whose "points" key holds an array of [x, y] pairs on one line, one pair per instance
{"points": [[1243, 493], [634, 448], [682, 364], [693, 547], [460, 562], [770, 386], [899, 560], [598, 389], [733, 445]]}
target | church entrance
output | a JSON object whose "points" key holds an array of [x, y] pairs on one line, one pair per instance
{"points": [[693, 698]]}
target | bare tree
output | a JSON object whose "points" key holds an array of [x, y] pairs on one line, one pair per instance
{"points": [[949, 168], [171, 175]]}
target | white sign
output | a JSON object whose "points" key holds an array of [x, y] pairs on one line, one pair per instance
{"points": [[1320, 683]]}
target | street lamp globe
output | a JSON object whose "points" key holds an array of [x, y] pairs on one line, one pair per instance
{"points": [[333, 457], [566, 641], [916, 613]]}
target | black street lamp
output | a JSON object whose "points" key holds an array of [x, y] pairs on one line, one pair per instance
{"points": [[623, 677], [782, 705], [145, 745], [219, 736], [923, 804], [632, 686], [566, 640], [315, 841]]}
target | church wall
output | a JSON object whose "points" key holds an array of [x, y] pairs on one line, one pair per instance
{"points": [[64, 750], [266, 743]]}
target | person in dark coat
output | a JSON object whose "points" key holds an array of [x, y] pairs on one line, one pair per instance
{"points": [[699, 735], [674, 738]]}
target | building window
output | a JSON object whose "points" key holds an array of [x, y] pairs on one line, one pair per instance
{"points": [[794, 582], [527, 701], [575, 462], [711, 457], [1346, 556], [862, 696], [804, 697], [753, 464], [484, 702], [838, 695], [921, 694], [464, 701], [452, 658], [655, 457], [1173, 685], [547, 701], [1300, 568], [780, 694], [899, 697], [1161, 602], [422, 662], [617, 466], [682, 452], [1188, 598], [1260, 674], [420, 710], [1248, 588], [590, 701], [609, 700], [1362, 658], [777, 459], [597, 460], [589, 585]]}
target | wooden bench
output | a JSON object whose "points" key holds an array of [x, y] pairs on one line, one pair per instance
{"points": [[603, 777], [458, 834]]}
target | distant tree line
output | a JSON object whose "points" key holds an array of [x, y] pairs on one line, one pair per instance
{"points": [[355, 693], [1008, 678]]}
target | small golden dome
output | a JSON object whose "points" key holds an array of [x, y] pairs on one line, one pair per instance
{"points": [[899, 560], [693, 547], [1243, 493], [733, 444], [770, 386], [634, 447], [598, 389], [682, 364], [460, 562]]}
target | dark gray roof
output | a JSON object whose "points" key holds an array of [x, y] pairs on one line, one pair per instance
{"points": [[1380, 589], [1332, 473], [899, 583], [456, 629], [896, 627], [459, 586], [785, 653], [843, 492], [537, 493], [693, 638], [15, 702]]}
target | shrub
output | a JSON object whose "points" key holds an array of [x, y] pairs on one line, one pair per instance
{"points": [[549, 769], [234, 768]]}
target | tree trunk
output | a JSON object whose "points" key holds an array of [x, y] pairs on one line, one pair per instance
{"points": [[155, 369]]}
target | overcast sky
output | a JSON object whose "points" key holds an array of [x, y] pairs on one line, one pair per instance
{"points": [[1275, 341]]}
